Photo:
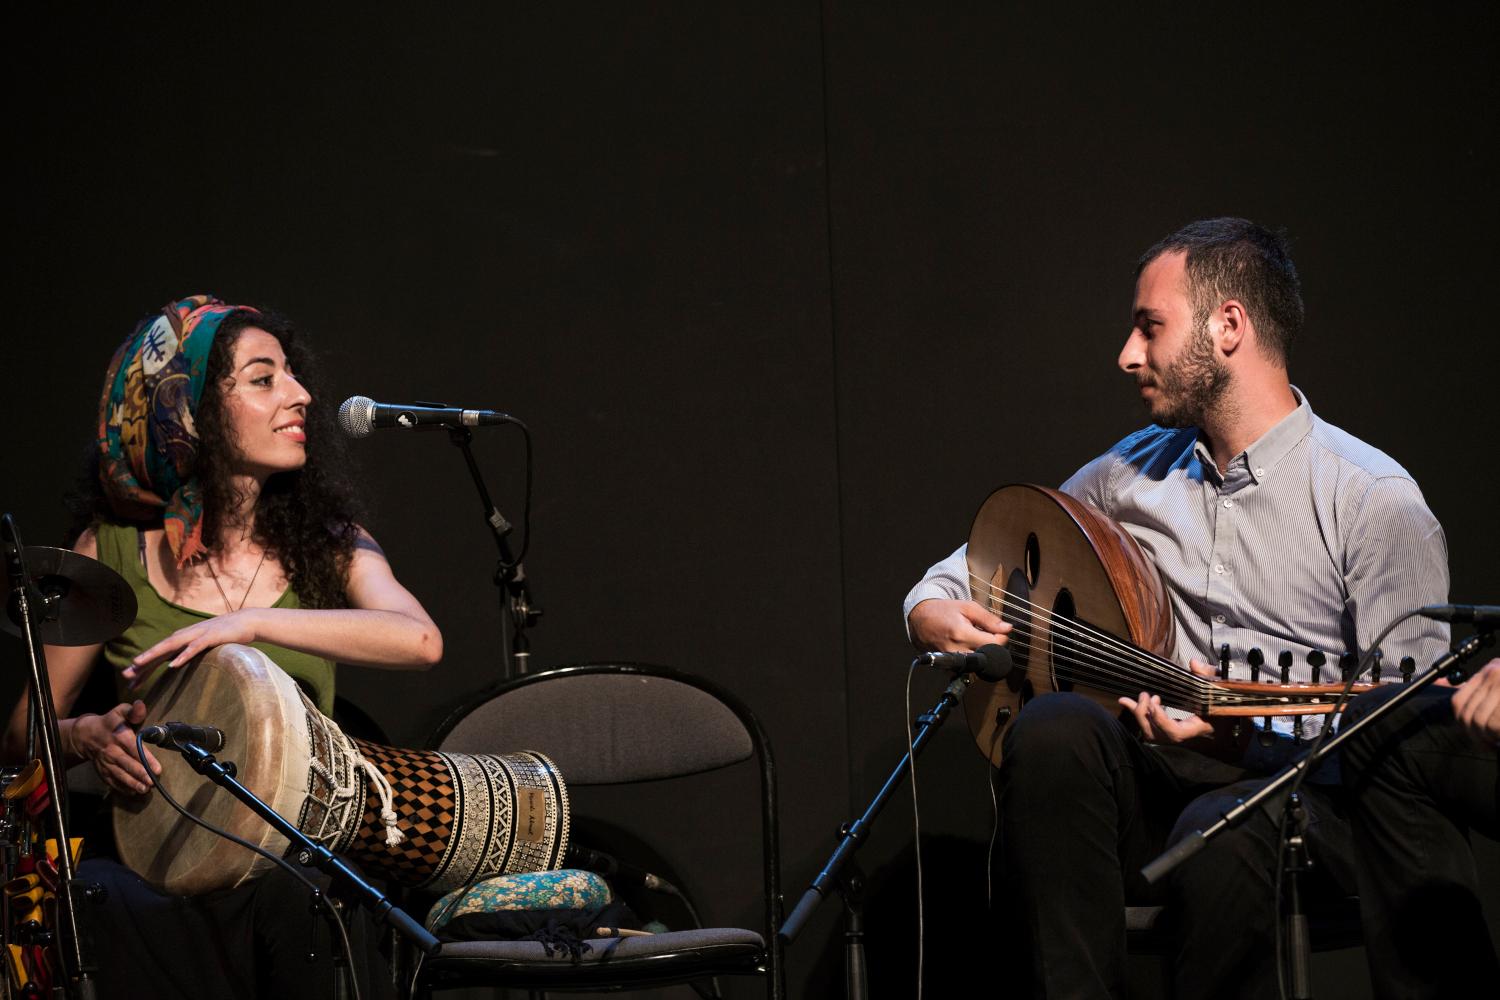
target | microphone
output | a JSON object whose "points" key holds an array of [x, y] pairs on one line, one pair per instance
{"points": [[359, 415], [988, 663], [207, 737], [609, 866], [1485, 615]]}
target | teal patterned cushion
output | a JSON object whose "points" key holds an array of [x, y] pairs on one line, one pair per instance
{"points": [[533, 891]]}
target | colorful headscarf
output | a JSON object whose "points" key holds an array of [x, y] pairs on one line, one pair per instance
{"points": [[147, 438]]}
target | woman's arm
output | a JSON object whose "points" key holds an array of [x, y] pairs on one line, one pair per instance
{"points": [[384, 626], [108, 740], [68, 669]]}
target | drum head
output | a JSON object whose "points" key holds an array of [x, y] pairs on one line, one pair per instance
{"points": [[261, 711]]}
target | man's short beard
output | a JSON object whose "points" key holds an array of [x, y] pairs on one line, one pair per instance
{"points": [[1193, 384]]}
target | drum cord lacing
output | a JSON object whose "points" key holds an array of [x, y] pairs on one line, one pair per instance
{"points": [[341, 797], [393, 836]]}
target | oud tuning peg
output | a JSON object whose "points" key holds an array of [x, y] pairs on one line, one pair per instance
{"points": [[1224, 662], [1408, 667], [1347, 663], [1316, 659], [1375, 667], [1256, 659], [1284, 661]]}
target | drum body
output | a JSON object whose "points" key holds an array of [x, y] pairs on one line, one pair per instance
{"points": [[461, 817]]}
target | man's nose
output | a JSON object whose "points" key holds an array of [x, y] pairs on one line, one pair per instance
{"points": [[1133, 354]]}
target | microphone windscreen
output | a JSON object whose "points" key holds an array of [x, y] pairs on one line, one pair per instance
{"points": [[357, 416], [997, 662]]}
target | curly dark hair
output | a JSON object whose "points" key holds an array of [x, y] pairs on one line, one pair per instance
{"points": [[307, 517]]}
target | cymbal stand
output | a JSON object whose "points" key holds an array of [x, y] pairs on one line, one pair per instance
{"points": [[26, 607]]}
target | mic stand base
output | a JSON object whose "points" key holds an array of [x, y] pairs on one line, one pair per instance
{"points": [[852, 890], [326, 905], [1298, 940], [851, 836]]}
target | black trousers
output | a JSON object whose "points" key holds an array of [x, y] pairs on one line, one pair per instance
{"points": [[1084, 804], [261, 940], [1418, 784]]}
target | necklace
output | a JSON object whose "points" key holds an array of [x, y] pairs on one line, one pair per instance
{"points": [[225, 596]]}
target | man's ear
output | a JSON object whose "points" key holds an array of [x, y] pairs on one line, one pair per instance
{"points": [[1234, 326]]}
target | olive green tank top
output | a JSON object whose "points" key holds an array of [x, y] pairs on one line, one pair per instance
{"points": [[156, 618]]}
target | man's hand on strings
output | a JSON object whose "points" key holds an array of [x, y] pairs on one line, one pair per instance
{"points": [[1157, 725], [945, 626], [1476, 703]]}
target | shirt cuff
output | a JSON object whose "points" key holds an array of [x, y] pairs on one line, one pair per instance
{"points": [[927, 590]]}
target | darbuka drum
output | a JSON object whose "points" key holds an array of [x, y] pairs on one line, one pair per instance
{"points": [[457, 818]]}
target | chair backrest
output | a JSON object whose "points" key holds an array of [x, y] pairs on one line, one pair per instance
{"points": [[615, 723], [606, 723]]}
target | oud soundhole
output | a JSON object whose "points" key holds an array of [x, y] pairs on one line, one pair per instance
{"points": [[1067, 652], [1017, 611]]}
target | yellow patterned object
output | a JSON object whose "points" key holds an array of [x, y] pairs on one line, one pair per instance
{"points": [[75, 849], [20, 975], [31, 969]]}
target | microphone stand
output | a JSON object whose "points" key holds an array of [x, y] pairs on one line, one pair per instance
{"points": [[346, 880], [43, 735], [851, 836], [510, 576], [1449, 664]]}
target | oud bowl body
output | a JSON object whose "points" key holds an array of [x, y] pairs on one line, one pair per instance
{"points": [[1069, 580]]}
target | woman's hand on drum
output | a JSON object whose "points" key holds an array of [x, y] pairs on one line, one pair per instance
{"points": [[186, 643], [109, 741]]}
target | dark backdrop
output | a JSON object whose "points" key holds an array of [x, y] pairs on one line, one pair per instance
{"points": [[783, 290]]}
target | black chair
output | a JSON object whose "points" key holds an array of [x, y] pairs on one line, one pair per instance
{"points": [[609, 724]]}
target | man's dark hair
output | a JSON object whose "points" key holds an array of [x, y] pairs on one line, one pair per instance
{"points": [[1236, 259]]}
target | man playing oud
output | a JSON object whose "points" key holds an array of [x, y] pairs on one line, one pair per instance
{"points": [[1272, 530]]}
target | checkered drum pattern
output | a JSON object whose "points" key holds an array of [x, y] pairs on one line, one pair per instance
{"points": [[459, 814], [426, 803]]}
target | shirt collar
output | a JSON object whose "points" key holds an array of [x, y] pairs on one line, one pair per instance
{"points": [[1270, 448]]}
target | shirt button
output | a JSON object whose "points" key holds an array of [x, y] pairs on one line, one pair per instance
{"points": [[1219, 619], [1259, 473], [1228, 503], [1219, 568]]}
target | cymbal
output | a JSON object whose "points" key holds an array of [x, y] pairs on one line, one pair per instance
{"points": [[87, 602]]}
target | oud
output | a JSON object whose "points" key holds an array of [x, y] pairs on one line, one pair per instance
{"points": [[1090, 615]]}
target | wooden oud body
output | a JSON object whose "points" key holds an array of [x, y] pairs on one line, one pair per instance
{"points": [[1040, 559]]}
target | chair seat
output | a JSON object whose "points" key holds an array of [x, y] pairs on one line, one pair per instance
{"points": [[637, 961], [622, 725]]}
